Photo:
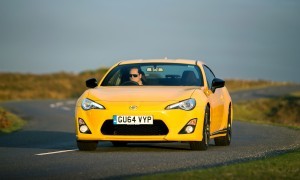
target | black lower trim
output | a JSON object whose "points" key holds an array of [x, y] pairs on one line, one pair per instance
{"points": [[158, 128]]}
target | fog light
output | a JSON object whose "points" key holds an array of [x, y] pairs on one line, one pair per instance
{"points": [[189, 129], [83, 128], [81, 122], [192, 122]]}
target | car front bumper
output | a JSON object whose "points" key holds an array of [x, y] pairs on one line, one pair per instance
{"points": [[171, 123]]}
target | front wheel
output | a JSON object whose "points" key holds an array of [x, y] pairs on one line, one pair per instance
{"points": [[203, 145], [87, 145]]}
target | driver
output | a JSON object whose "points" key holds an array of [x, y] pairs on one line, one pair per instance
{"points": [[135, 74]]}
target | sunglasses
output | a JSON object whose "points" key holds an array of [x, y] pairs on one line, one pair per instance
{"points": [[133, 75]]}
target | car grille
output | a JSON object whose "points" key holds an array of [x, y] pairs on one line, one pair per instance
{"points": [[158, 128]]}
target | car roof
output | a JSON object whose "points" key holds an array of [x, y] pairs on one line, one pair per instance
{"points": [[173, 61]]}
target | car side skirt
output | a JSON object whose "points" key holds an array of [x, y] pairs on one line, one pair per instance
{"points": [[219, 133]]}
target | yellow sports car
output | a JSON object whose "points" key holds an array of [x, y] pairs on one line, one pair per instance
{"points": [[158, 100]]}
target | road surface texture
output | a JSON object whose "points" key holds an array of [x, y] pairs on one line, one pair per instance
{"points": [[46, 147]]}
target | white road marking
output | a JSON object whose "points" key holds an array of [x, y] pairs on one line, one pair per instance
{"points": [[66, 108], [59, 104], [72, 102], [55, 152], [63, 105]]}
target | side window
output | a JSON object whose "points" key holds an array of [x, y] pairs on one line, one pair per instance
{"points": [[209, 76], [115, 79]]}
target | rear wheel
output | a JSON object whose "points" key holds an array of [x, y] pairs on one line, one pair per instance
{"points": [[87, 145], [225, 140], [203, 145]]}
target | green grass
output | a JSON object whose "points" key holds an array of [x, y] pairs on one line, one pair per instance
{"points": [[286, 166], [9, 122]]}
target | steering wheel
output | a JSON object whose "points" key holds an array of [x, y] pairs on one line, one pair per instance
{"points": [[129, 83]]}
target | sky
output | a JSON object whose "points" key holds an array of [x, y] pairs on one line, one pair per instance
{"points": [[257, 39]]}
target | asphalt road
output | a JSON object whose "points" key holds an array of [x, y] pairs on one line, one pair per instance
{"points": [[46, 147]]}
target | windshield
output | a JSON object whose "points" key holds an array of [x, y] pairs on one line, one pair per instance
{"points": [[156, 74]]}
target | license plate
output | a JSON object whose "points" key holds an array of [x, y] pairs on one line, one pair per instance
{"points": [[132, 120]]}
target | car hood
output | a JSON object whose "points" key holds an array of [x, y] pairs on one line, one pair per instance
{"points": [[140, 93]]}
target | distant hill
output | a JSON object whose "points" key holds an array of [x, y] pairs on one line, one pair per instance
{"points": [[18, 86]]}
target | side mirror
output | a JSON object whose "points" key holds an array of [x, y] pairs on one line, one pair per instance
{"points": [[91, 83], [217, 83]]}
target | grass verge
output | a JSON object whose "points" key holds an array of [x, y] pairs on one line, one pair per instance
{"points": [[286, 166], [279, 110], [234, 85], [9, 122], [19, 86]]}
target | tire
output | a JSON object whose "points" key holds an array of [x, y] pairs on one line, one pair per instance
{"points": [[225, 140], [87, 145], [119, 143], [203, 145]]}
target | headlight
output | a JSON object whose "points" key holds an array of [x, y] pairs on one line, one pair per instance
{"points": [[187, 105], [88, 104]]}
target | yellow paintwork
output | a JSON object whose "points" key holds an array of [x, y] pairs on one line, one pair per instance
{"points": [[152, 100]]}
